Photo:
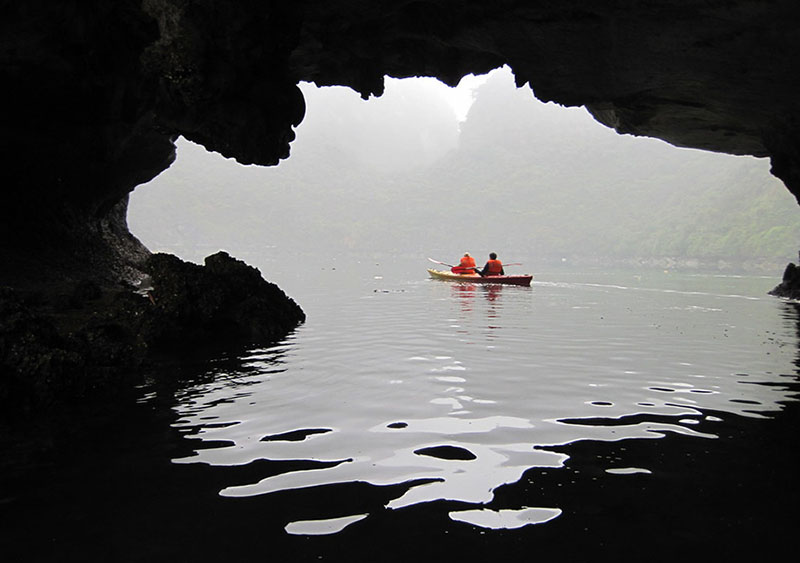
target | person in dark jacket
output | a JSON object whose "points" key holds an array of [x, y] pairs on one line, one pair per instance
{"points": [[493, 267]]}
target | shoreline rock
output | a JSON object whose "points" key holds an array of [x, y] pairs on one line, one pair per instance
{"points": [[63, 342], [223, 303], [790, 285]]}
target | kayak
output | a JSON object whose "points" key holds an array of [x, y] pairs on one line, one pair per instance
{"points": [[475, 278]]}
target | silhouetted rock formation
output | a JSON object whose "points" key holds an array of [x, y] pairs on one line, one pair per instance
{"points": [[790, 285], [68, 339], [224, 303]]}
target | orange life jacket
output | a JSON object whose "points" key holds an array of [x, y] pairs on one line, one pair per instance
{"points": [[494, 267], [467, 262]]}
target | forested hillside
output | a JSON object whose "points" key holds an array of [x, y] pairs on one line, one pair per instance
{"points": [[400, 174]]}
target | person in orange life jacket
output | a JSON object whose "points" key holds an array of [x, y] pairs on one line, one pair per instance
{"points": [[493, 267], [465, 266]]}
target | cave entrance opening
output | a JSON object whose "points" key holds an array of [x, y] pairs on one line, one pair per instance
{"points": [[427, 170]]}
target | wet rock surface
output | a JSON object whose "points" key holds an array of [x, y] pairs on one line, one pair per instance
{"points": [[790, 284], [64, 341], [223, 303]]}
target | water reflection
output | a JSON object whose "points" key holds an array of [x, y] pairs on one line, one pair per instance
{"points": [[506, 519], [791, 316], [465, 294], [446, 419], [597, 421], [493, 291]]}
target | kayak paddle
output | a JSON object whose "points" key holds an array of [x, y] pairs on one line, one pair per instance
{"points": [[442, 263]]}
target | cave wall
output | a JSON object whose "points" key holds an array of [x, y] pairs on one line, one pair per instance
{"points": [[97, 91]]}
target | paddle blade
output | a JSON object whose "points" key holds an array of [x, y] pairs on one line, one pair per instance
{"points": [[442, 263]]}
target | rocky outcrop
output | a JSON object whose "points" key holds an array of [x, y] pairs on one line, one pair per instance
{"points": [[221, 304], [72, 339], [790, 284]]}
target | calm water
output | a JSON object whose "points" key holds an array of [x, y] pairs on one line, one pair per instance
{"points": [[411, 418]]}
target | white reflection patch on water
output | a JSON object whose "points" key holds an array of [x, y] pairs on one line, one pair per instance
{"points": [[467, 481], [358, 400], [628, 471], [322, 527], [506, 519]]}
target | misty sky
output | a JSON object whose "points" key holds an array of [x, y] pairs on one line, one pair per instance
{"points": [[423, 170], [459, 98]]}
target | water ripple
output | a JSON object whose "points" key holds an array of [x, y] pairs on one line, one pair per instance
{"points": [[453, 391]]}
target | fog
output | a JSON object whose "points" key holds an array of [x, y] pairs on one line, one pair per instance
{"points": [[426, 170]]}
